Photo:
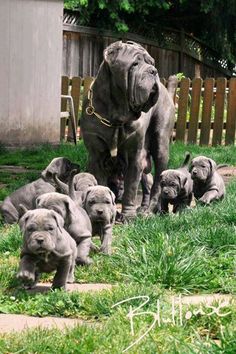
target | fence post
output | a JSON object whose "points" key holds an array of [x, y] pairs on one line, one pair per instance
{"points": [[64, 91], [194, 110], [182, 109], [75, 93], [231, 113], [219, 111], [206, 111]]}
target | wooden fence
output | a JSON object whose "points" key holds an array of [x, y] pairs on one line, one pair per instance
{"points": [[205, 110]]}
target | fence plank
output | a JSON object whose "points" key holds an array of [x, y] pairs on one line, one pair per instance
{"points": [[231, 113], [87, 82], [194, 110], [76, 83], [219, 111], [182, 109], [206, 111], [64, 91]]}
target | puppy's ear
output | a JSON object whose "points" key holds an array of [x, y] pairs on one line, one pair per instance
{"points": [[22, 210], [58, 218], [85, 196], [113, 197], [212, 165], [182, 181], [23, 220]]}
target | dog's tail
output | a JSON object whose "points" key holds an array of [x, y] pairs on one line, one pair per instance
{"points": [[172, 85], [222, 165], [60, 186], [71, 184], [186, 160]]}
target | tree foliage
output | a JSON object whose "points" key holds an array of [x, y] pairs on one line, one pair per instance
{"points": [[213, 21]]}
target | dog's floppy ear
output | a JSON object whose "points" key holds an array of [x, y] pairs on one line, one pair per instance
{"points": [[113, 197], [22, 210], [23, 220], [182, 180], [85, 196], [110, 54], [212, 165], [59, 219]]}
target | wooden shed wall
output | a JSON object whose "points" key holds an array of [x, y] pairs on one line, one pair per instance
{"points": [[30, 71]]}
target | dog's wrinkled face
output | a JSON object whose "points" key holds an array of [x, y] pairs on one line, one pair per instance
{"points": [[202, 168], [134, 74], [99, 202], [40, 228], [53, 201], [172, 182], [60, 166], [83, 181]]}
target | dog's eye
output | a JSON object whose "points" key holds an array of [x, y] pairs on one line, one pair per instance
{"points": [[49, 228], [107, 202], [31, 228], [91, 202]]}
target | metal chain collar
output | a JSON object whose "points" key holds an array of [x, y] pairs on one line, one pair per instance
{"points": [[90, 110]]}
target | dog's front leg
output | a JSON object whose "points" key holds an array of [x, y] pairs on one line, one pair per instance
{"points": [[131, 183], [62, 273], [209, 196], [27, 271], [106, 239]]}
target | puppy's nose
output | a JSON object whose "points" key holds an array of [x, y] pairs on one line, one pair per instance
{"points": [[100, 211], [166, 192], [40, 241], [194, 172]]}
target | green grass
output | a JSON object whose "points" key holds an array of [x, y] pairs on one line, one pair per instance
{"points": [[158, 256]]}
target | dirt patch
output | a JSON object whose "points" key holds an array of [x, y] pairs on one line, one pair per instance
{"points": [[227, 173], [16, 169], [45, 287], [207, 299], [18, 323]]}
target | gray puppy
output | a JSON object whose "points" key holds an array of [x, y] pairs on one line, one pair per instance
{"points": [[208, 185], [77, 185], [27, 194], [76, 221], [46, 247], [176, 188], [99, 202]]}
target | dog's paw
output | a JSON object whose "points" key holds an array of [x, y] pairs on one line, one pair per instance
{"points": [[105, 250], [84, 261], [204, 200], [25, 276]]}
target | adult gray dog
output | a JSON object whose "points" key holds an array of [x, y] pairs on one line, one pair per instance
{"points": [[208, 185], [99, 202], [176, 188], [78, 183], [46, 247], [128, 116], [76, 222], [27, 194]]}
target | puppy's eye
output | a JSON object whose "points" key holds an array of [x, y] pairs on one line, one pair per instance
{"points": [[91, 202], [107, 202], [49, 228], [31, 228]]}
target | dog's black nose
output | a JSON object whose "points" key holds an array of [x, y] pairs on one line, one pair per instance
{"points": [[40, 241], [100, 211], [194, 172]]}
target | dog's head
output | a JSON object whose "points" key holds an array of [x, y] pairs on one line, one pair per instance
{"points": [[132, 79], [60, 203], [172, 184], [202, 168], [84, 180], [99, 202], [42, 229], [60, 166]]}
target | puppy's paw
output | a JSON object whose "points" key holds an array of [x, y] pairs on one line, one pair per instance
{"points": [[26, 277], [84, 261], [105, 250], [204, 200]]}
